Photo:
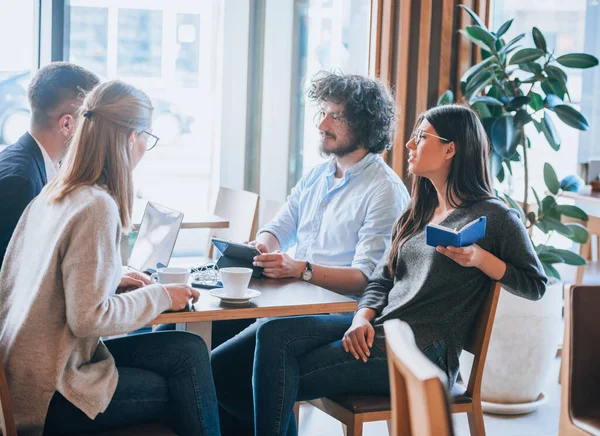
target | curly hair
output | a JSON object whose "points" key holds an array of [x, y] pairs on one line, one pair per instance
{"points": [[369, 108]]}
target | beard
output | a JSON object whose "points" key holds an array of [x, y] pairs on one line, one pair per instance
{"points": [[339, 149]]}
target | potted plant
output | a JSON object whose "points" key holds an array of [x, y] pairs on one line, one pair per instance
{"points": [[513, 90]]}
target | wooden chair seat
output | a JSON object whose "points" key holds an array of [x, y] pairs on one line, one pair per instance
{"points": [[363, 404], [589, 421]]}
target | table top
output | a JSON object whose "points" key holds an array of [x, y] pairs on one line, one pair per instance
{"points": [[279, 297], [200, 222]]}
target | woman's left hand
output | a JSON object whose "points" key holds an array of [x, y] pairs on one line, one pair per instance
{"points": [[132, 280], [471, 256]]}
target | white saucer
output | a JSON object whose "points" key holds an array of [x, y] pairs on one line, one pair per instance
{"points": [[220, 293], [514, 409]]}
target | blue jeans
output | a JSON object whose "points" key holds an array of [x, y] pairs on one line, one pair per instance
{"points": [[162, 377], [262, 372]]}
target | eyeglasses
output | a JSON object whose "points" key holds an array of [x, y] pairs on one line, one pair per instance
{"points": [[336, 117], [420, 133], [152, 140]]}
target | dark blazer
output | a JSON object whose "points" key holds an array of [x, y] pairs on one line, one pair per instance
{"points": [[22, 177]]}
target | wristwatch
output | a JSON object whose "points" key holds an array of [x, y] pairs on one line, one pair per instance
{"points": [[307, 273]]}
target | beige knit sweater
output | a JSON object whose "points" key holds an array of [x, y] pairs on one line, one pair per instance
{"points": [[57, 298]]}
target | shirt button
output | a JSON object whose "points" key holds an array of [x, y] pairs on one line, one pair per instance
{"points": [[323, 204]]}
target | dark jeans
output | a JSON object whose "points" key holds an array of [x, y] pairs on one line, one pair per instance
{"points": [[263, 371], [222, 331], [162, 377]]}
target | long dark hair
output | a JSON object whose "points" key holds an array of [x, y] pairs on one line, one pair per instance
{"points": [[468, 180]]}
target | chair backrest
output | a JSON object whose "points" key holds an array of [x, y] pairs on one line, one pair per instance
{"points": [[240, 208], [267, 210], [7, 419], [419, 399], [592, 225], [479, 338]]}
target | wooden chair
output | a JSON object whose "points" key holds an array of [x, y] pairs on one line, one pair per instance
{"points": [[417, 387], [353, 411], [9, 428], [240, 208], [267, 210], [589, 251], [579, 412]]}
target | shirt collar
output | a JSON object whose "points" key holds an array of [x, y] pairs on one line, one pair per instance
{"points": [[51, 168], [357, 168]]}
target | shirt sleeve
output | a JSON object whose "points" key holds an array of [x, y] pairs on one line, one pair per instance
{"points": [[376, 294], [91, 273], [16, 192], [524, 274], [285, 225], [375, 234]]}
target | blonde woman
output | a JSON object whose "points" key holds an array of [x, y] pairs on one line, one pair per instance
{"points": [[58, 295]]}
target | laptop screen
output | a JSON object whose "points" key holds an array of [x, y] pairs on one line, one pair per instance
{"points": [[156, 238]]}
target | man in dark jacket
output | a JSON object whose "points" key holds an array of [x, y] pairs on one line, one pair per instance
{"points": [[55, 93]]}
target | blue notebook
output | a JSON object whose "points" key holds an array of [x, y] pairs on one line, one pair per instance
{"points": [[444, 236]]}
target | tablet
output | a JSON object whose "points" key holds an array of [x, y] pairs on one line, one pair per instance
{"points": [[235, 250]]}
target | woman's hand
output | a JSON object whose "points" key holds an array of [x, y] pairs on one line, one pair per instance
{"points": [[180, 295], [132, 280], [358, 340], [471, 256]]}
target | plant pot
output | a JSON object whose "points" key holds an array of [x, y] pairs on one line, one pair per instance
{"points": [[522, 350]]}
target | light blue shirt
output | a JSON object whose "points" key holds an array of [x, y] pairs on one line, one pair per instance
{"points": [[345, 225]]}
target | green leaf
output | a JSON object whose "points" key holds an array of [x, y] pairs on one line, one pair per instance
{"points": [[577, 60], [557, 226], [475, 68], [571, 117], [571, 211], [446, 98], [517, 102], [522, 117], [531, 67], [546, 126], [475, 41], [556, 73], [537, 101], [539, 40], [512, 44], [487, 100], [552, 100], [537, 198], [550, 257], [495, 164], [477, 82], [526, 55], [550, 179], [548, 205], [554, 86], [550, 271], [579, 233], [515, 206], [483, 35], [474, 16], [504, 28], [503, 136], [569, 257]]}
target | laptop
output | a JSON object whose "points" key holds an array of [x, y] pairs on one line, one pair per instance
{"points": [[156, 238]]}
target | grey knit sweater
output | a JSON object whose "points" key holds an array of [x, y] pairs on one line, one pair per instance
{"points": [[440, 299], [57, 298]]}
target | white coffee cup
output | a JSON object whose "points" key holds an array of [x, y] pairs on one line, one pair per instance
{"points": [[171, 275], [235, 281]]}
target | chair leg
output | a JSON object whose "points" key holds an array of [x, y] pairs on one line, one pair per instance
{"points": [[475, 417], [355, 428], [297, 415], [389, 426]]}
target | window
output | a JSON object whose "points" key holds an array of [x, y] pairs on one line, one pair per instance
{"points": [[167, 49], [564, 27], [17, 58], [332, 34]]}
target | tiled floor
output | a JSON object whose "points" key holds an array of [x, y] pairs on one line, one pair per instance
{"points": [[543, 422]]}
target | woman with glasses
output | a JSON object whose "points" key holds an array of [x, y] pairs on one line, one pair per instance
{"points": [[438, 291], [61, 291]]}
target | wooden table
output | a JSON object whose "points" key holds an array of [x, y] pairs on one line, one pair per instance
{"points": [[279, 297], [201, 222], [585, 194]]}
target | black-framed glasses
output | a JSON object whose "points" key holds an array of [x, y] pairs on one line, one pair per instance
{"points": [[337, 117], [418, 134], [152, 140]]}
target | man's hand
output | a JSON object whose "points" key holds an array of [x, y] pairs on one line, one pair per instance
{"points": [[259, 246], [278, 265], [358, 340], [471, 256], [132, 280]]}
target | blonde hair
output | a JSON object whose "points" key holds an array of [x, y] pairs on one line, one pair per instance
{"points": [[99, 152]]}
